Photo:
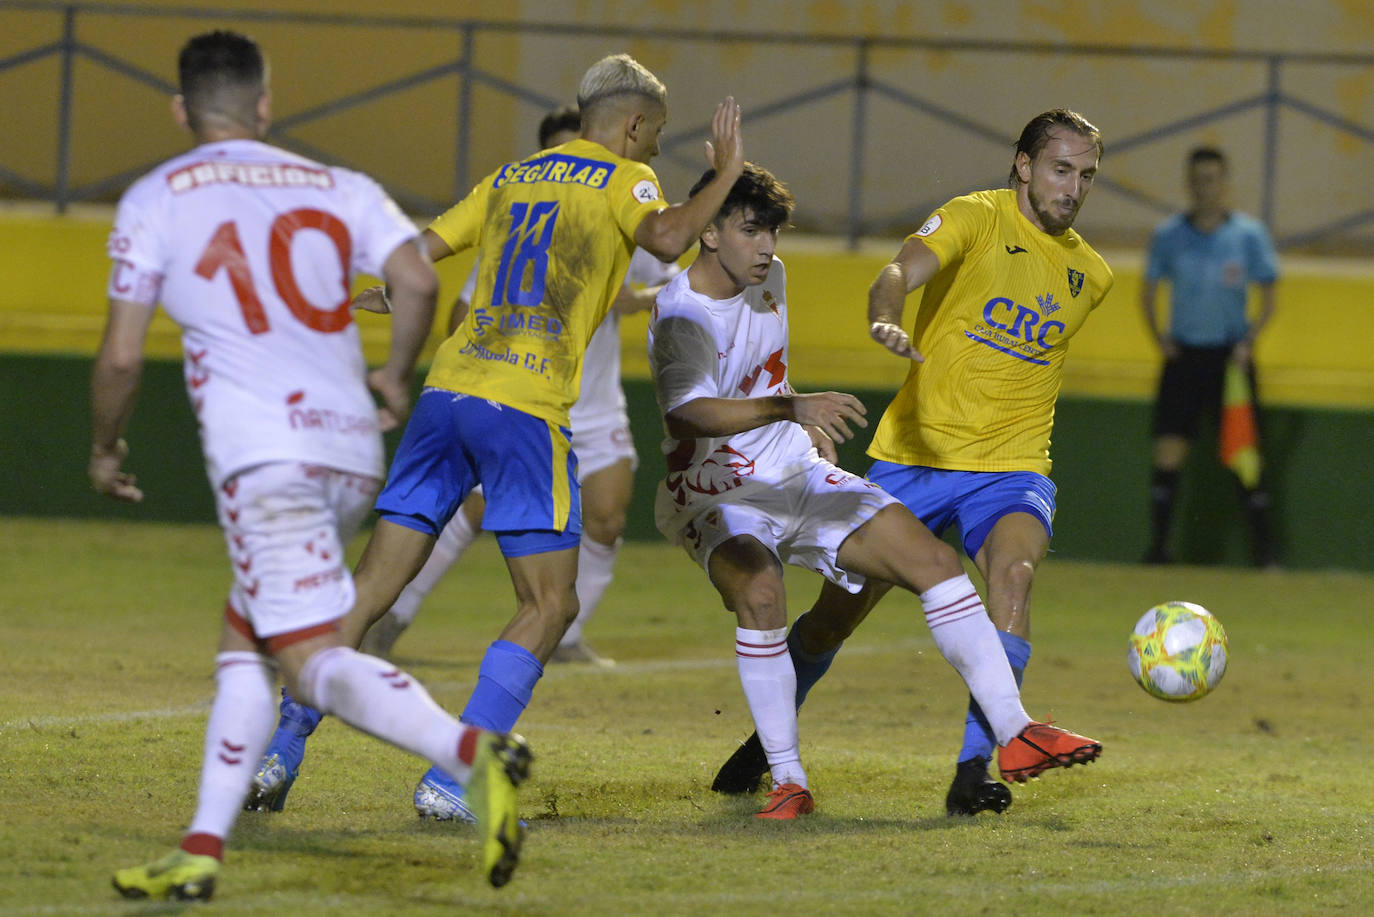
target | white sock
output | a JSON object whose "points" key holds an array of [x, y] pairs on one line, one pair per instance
{"points": [[770, 688], [456, 538], [379, 699], [242, 717], [966, 637], [594, 564]]}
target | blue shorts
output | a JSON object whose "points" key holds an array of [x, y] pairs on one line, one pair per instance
{"points": [[973, 499], [525, 465]]}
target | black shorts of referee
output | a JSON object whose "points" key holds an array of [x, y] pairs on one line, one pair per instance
{"points": [[1190, 387]]}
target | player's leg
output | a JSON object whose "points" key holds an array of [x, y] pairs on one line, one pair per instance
{"points": [[606, 496], [1008, 558], [812, 642], [375, 697], [1177, 409], [462, 530], [393, 551], [236, 733], [748, 577], [1255, 498], [428, 482], [546, 602]]}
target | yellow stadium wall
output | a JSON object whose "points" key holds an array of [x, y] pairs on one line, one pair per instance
{"points": [[52, 301]]}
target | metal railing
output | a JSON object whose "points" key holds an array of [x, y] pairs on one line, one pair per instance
{"points": [[858, 212]]}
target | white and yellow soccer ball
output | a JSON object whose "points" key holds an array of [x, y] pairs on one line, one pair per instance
{"points": [[1177, 651]]}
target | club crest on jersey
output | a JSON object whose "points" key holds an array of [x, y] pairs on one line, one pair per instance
{"points": [[1047, 304], [770, 301], [1075, 281]]}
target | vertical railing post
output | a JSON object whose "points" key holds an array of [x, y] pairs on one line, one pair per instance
{"points": [[1271, 142], [464, 139], [62, 188], [856, 162]]}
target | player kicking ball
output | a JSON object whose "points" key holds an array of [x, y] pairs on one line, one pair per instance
{"points": [[752, 484]]}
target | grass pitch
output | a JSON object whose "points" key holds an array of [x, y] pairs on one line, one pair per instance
{"points": [[1250, 801]]}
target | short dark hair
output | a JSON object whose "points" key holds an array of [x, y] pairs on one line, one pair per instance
{"points": [[1036, 134], [213, 62], [1207, 154], [757, 190], [561, 119]]}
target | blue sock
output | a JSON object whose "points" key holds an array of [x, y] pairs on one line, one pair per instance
{"points": [[297, 722], [809, 667], [978, 738], [505, 683]]}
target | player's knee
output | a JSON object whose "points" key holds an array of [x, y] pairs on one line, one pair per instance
{"points": [[604, 525], [1014, 576], [759, 605]]}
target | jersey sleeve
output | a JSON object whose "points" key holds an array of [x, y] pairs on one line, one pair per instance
{"points": [[634, 195], [137, 249], [379, 228], [137, 238], [954, 229], [460, 226], [683, 358]]}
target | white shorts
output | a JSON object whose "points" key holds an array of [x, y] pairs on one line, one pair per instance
{"points": [[599, 442], [803, 521], [286, 525]]}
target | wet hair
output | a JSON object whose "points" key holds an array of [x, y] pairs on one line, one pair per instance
{"points": [[222, 72], [756, 190], [1207, 154], [557, 121], [1037, 132], [615, 76]]}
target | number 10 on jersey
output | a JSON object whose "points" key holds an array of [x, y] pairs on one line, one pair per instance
{"points": [[526, 251]]}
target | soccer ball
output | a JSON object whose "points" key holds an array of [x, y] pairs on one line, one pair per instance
{"points": [[1177, 651]]}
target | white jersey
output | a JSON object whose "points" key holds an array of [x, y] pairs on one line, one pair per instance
{"points": [[256, 249], [734, 348]]}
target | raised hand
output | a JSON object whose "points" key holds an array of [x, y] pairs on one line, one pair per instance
{"points": [[725, 149]]}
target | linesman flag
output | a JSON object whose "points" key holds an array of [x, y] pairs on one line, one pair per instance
{"points": [[1238, 443]]}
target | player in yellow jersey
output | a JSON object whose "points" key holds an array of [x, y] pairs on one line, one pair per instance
{"points": [[555, 233], [966, 441]]}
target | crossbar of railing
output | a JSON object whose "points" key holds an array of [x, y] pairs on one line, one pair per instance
{"points": [[1272, 99]]}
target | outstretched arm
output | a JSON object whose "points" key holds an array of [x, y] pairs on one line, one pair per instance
{"points": [[115, 380], [830, 412], [914, 265]]}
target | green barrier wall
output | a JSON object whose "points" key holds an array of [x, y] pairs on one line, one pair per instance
{"points": [[1101, 450]]}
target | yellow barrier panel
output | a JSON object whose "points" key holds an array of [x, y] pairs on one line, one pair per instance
{"points": [[52, 300]]}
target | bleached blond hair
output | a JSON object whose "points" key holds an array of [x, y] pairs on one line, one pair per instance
{"points": [[618, 75]]}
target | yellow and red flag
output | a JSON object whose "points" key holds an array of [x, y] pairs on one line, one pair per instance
{"points": [[1238, 442]]}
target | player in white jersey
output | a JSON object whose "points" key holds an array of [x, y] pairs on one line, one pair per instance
{"points": [[252, 251], [752, 484]]}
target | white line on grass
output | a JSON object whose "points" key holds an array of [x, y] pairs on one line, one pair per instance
{"points": [[553, 672]]}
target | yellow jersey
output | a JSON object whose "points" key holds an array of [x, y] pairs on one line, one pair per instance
{"points": [[994, 326], [556, 232]]}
